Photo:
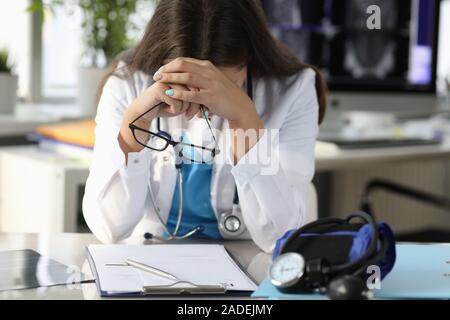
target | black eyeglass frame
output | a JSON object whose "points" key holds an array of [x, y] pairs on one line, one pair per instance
{"points": [[168, 139]]}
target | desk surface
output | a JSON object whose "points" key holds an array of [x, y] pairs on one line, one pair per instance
{"points": [[326, 159], [339, 159], [27, 117], [69, 249]]}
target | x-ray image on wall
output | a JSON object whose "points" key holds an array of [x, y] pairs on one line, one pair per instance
{"points": [[283, 11], [333, 35], [370, 53], [297, 24]]}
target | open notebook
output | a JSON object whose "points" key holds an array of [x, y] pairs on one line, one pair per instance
{"points": [[203, 265]]}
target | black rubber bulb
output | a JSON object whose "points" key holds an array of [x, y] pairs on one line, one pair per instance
{"points": [[348, 288]]}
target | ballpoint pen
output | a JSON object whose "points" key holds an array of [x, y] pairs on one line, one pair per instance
{"points": [[146, 268], [150, 269]]}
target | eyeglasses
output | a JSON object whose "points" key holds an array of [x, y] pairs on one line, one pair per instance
{"points": [[161, 140]]}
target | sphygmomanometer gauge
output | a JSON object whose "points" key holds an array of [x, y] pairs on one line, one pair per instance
{"points": [[287, 270]]}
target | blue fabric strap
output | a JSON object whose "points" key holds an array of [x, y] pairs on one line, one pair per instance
{"points": [[197, 208]]}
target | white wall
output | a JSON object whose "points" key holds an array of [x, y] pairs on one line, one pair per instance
{"points": [[14, 36]]}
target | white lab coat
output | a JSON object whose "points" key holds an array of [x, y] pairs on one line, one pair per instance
{"points": [[117, 203]]}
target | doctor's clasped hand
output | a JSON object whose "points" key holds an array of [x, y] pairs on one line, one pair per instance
{"points": [[216, 90], [152, 96]]}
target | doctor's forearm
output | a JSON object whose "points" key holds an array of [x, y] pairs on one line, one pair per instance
{"points": [[245, 133], [127, 141]]}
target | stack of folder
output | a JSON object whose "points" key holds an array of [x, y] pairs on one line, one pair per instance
{"points": [[71, 139]]}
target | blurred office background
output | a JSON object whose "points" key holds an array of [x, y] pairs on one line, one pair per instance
{"points": [[389, 115]]}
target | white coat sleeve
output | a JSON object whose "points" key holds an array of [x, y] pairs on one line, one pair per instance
{"points": [[273, 201], [115, 191]]}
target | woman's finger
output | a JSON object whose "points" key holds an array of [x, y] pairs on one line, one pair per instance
{"points": [[194, 108], [185, 104], [174, 106], [197, 97], [185, 79], [197, 61], [182, 65]]}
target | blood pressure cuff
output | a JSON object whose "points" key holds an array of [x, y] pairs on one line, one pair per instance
{"points": [[339, 244]]}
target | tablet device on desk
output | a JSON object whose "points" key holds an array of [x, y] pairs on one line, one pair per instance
{"points": [[24, 269]]}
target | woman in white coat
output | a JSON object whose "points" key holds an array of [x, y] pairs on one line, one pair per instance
{"points": [[205, 129]]}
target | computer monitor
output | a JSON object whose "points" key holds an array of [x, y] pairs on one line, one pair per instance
{"points": [[388, 69]]}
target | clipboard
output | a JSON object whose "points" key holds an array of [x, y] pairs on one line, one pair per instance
{"points": [[184, 287], [191, 289]]}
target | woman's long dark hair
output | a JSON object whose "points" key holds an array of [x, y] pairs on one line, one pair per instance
{"points": [[228, 33]]}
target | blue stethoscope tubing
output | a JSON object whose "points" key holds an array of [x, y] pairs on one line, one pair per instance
{"points": [[173, 235]]}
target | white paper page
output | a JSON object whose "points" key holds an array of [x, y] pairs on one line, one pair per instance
{"points": [[200, 264]]}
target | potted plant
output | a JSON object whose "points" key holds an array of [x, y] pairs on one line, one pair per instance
{"points": [[104, 25], [8, 85]]}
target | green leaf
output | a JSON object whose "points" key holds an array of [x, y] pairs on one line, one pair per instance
{"points": [[35, 6], [4, 66]]}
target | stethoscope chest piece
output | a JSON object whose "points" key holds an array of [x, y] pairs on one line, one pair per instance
{"points": [[231, 224]]}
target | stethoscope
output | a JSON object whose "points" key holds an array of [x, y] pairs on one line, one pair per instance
{"points": [[231, 224]]}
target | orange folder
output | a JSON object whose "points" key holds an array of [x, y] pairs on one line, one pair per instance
{"points": [[76, 132]]}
